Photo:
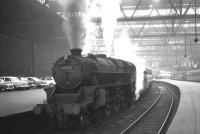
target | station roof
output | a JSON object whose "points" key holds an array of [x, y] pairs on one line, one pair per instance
{"points": [[164, 30], [30, 20]]}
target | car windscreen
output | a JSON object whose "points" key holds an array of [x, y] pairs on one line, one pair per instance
{"points": [[7, 79], [13, 79], [48, 78], [1, 81], [24, 79], [36, 79], [31, 79]]}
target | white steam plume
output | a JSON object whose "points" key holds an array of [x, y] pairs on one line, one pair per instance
{"points": [[126, 50], [74, 11], [110, 9]]}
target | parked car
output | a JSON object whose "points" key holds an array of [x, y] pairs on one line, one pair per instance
{"points": [[39, 83], [6, 86], [18, 84], [49, 80], [31, 83]]}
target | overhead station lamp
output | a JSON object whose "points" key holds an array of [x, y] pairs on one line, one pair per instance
{"points": [[195, 21], [196, 40], [185, 55]]}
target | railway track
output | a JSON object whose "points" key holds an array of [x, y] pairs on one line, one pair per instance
{"points": [[136, 120], [117, 122], [141, 117], [153, 120]]}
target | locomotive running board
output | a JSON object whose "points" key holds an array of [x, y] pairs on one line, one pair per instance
{"points": [[118, 83], [69, 98], [112, 85], [106, 72]]}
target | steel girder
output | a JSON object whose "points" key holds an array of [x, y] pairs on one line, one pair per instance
{"points": [[151, 18]]}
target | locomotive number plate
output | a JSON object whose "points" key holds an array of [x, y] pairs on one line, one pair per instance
{"points": [[67, 68]]}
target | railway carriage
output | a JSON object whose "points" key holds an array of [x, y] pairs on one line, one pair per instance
{"points": [[148, 77]]}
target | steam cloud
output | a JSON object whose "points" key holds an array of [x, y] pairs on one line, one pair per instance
{"points": [[110, 8], [74, 11]]}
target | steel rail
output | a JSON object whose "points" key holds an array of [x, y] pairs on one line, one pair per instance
{"points": [[144, 113], [170, 109]]}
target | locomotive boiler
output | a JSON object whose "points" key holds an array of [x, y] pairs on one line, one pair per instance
{"points": [[88, 85]]}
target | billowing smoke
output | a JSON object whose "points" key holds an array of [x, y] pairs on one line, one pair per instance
{"points": [[126, 50], [139, 79], [74, 11], [110, 10]]}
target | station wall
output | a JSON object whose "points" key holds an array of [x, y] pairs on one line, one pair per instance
{"points": [[25, 58]]}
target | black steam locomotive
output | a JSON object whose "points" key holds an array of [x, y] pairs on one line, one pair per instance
{"points": [[86, 86]]}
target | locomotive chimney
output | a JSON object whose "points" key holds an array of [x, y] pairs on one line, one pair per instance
{"points": [[76, 52]]}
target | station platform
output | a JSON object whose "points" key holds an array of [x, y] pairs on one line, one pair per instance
{"points": [[16, 102], [187, 118]]}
